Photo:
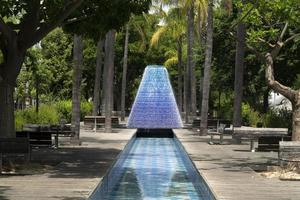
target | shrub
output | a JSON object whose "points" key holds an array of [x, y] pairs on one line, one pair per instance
{"points": [[50, 113], [47, 115], [278, 118], [250, 116], [64, 109]]}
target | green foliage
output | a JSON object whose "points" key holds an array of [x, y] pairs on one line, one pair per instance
{"points": [[50, 113], [47, 115], [64, 109], [250, 116], [279, 118]]}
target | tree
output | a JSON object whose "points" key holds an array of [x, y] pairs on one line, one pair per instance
{"points": [[109, 62], [77, 74], [35, 19], [174, 25], [98, 73], [207, 69], [269, 33], [239, 73], [124, 74]]}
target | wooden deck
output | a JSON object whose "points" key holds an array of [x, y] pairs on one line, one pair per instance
{"points": [[75, 171], [228, 170]]}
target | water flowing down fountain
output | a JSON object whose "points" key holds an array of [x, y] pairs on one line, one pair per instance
{"points": [[155, 105]]}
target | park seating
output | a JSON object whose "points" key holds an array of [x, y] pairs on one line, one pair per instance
{"points": [[93, 121], [271, 143], [41, 135], [14, 146], [255, 133], [212, 124], [218, 132], [289, 152]]}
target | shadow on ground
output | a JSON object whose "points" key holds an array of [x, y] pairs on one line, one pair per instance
{"points": [[76, 162], [3, 189]]}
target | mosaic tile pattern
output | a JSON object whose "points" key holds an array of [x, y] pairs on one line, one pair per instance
{"points": [[155, 105], [154, 169]]}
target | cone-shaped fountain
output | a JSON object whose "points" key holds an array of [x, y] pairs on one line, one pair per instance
{"points": [[155, 106]]}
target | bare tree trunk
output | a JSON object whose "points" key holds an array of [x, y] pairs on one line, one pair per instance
{"points": [[190, 60], [77, 74], [109, 61], [207, 69], [7, 119], [289, 93], [9, 70], [104, 77], [296, 118], [99, 63], [179, 54], [124, 75], [239, 74]]}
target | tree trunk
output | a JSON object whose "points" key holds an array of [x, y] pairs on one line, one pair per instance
{"points": [[190, 60], [296, 117], [239, 74], [289, 93], [98, 73], [9, 71], [185, 94], [7, 119], [125, 59], [104, 79], [266, 101], [37, 91], [179, 54], [207, 69], [109, 62], [77, 74]]}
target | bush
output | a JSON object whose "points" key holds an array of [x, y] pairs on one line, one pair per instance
{"points": [[50, 113], [64, 108], [47, 115], [250, 116], [278, 118]]}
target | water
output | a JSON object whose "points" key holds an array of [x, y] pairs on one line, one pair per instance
{"points": [[154, 168]]}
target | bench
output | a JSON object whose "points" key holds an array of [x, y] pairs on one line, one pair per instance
{"points": [[289, 152], [271, 143], [219, 132], [211, 123], [94, 121], [14, 146], [255, 133], [41, 135]]}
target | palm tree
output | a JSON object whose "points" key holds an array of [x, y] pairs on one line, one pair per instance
{"points": [[98, 73], [77, 74], [109, 63], [125, 59], [207, 69], [174, 25]]}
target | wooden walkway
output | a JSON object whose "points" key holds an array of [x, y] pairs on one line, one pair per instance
{"points": [[75, 173], [228, 170]]}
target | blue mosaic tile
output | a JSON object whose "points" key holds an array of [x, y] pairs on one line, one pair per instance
{"points": [[153, 169], [155, 105]]}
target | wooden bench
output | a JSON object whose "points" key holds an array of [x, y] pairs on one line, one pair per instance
{"points": [[219, 132], [14, 146], [211, 123], [94, 121], [255, 133], [289, 152], [41, 135], [271, 143]]}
